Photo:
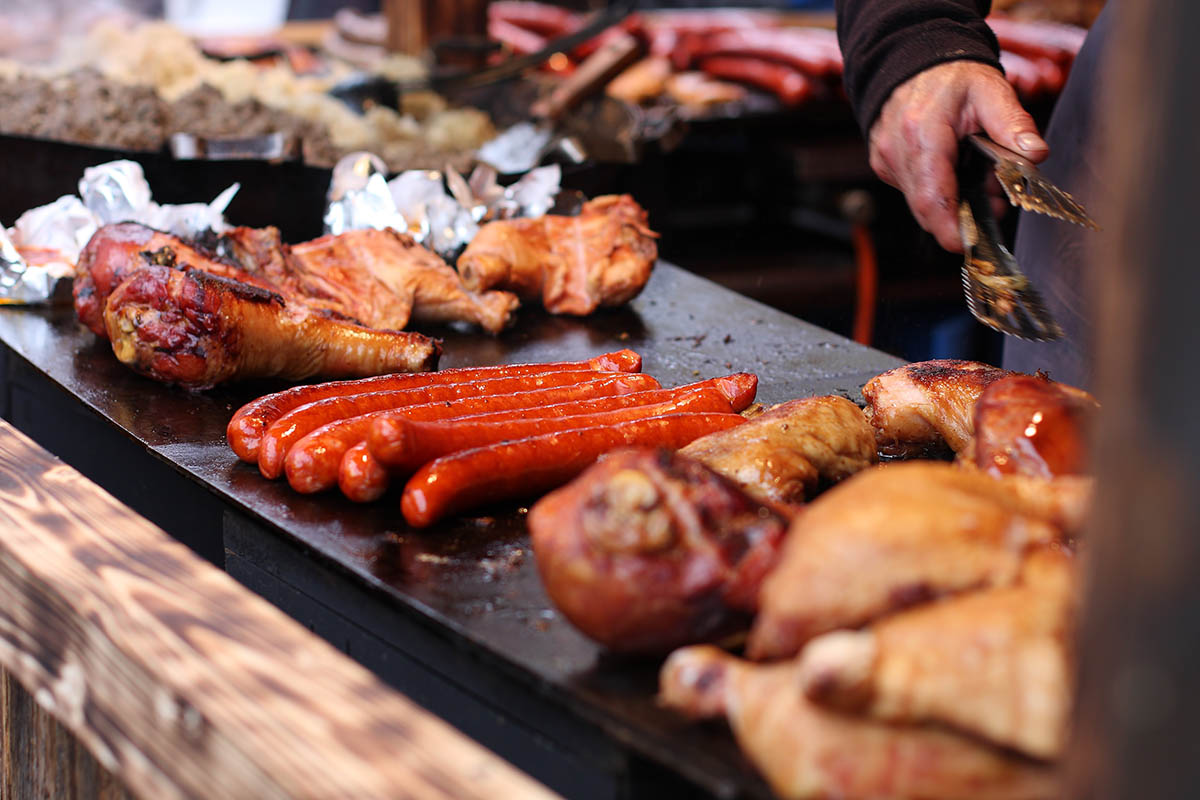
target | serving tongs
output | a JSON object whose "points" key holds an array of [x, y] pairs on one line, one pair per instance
{"points": [[998, 293]]}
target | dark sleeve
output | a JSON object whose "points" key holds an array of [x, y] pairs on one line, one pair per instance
{"points": [[886, 42]]}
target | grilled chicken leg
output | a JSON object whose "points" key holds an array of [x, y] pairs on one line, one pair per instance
{"points": [[783, 454], [995, 663], [921, 409], [197, 329], [649, 550], [808, 752], [901, 534]]}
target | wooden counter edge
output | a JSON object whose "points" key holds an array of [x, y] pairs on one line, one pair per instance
{"points": [[183, 683]]}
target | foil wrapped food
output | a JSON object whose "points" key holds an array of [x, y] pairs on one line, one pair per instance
{"points": [[441, 210], [42, 246]]}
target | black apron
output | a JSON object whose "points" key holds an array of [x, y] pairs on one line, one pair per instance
{"points": [[1058, 256]]}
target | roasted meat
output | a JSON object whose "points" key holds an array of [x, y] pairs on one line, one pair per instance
{"points": [[901, 534], [923, 408], [995, 663], [648, 550], [1028, 425], [805, 751], [117, 250], [197, 329], [572, 265], [783, 455], [382, 278]]}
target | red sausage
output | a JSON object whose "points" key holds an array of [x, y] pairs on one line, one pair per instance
{"points": [[524, 467], [285, 431], [1039, 39], [1021, 72], [789, 84], [732, 393], [361, 478], [422, 442], [248, 425], [541, 18], [814, 52], [312, 463], [520, 41]]}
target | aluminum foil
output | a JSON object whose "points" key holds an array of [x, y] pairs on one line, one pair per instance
{"points": [[442, 211], [113, 192]]}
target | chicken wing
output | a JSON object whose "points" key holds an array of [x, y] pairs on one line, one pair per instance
{"points": [[921, 409], [572, 265], [783, 455], [805, 751], [196, 329], [649, 550], [1029, 425], [901, 534], [995, 663]]}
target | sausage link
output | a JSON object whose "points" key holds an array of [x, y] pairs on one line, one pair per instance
{"points": [[246, 428], [360, 477], [421, 442], [814, 52], [790, 85], [312, 463], [387, 435], [524, 467]]}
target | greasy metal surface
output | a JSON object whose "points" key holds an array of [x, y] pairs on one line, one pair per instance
{"points": [[477, 577]]}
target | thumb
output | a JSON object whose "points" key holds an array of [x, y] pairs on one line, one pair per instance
{"points": [[1003, 118]]}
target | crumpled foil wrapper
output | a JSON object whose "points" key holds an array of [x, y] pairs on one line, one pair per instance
{"points": [[442, 211], [113, 192]]}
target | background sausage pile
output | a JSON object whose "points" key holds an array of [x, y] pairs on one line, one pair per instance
{"points": [[754, 48], [470, 436]]}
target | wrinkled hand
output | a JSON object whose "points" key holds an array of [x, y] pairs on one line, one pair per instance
{"points": [[914, 143]]}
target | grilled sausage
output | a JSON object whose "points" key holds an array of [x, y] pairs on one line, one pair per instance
{"points": [[286, 430], [419, 443], [524, 467], [790, 85], [312, 463], [733, 393], [251, 421], [361, 478]]}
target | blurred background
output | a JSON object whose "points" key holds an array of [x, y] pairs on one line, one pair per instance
{"points": [[728, 124]]}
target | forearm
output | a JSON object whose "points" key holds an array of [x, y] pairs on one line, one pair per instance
{"points": [[886, 42]]}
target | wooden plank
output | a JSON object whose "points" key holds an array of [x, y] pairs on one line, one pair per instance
{"points": [[182, 683], [40, 758], [1138, 713]]}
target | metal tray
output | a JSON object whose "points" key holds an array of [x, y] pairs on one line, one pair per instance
{"points": [[456, 617]]}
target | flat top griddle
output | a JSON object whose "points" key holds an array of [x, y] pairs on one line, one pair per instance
{"points": [[472, 581]]}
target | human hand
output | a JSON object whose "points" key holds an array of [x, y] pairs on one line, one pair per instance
{"points": [[914, 142]]}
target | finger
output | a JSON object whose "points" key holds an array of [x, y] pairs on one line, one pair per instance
{"points": [[932, 188], [995, 106]]}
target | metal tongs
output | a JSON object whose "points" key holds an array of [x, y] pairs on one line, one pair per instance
{"points": [[998, 293]]}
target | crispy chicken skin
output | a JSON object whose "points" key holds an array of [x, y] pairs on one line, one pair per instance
{"points": [[805, 751], [384, 278], [901, 534], [380, 279], [923, 408], [995, 663], [196, 329], [649, 550], [782, 455], [572, 265], [1028, 425], [116, 250]]}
